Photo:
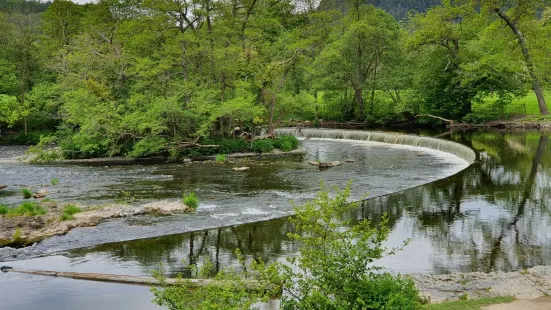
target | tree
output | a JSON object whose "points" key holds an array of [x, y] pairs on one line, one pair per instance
{"points": [[21, 36], [513, 14], [361, 48]]}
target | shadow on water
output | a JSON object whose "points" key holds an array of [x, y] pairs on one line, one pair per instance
{"points": [[495, 215]]}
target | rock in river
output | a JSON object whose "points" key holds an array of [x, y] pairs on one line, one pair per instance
{"points": [[241, 169]]}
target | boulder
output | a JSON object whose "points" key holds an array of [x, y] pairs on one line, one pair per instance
{"points": [[330, 164], [241, 169], [314, 163], [41, 193], [3, 186]]}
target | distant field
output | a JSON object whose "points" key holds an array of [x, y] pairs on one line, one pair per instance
{"points": [[528, 105]]}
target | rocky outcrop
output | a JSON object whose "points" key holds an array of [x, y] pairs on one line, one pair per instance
{"points": [[24, 230], [525, 284]]}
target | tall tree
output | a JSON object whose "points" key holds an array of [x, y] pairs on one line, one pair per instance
{"points": [[513, 13]]}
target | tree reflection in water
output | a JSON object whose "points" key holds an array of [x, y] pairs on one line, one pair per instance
{"points": [[495, 215]]}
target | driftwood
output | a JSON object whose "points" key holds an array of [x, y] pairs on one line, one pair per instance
{"points": [[132, 280], [194, 144], [436, 117]]}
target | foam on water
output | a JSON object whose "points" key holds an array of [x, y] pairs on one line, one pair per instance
{"points": [[385, 137]]}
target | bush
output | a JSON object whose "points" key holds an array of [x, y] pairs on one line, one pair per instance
{"points": [[3, 209], [191, 200], [229, 146], [221, 158], [333, 271], [263, 146], [28, 209], [27, 193], [149, 146], [54, 181], [286, 143]]}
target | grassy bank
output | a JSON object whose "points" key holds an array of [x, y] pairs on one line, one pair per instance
{"points": [[471, 304], [525, 105]]}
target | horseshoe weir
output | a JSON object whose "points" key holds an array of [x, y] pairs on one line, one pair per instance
{"points": [[462, 215]]}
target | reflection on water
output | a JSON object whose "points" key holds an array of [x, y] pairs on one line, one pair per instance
{"points": [[495, 215]]}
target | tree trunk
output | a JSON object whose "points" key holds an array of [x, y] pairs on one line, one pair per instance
{"points": [[358, 97], [527, 60]]}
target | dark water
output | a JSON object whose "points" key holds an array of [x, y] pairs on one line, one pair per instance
{"points": [[495, 215]]}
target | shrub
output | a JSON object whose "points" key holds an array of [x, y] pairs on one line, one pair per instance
{"points": [[3, 209], [286, 143], [54, 181], [333, 271], [229, 146], [149, 146], [28, 209], [263, 146], [191, 200], [27, 193], [221, 158]]}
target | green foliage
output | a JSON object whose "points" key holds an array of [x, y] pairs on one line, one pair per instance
{"points": [[69, 212], [135, 90], [191, 200], [27, 193], [263, 146], [334, 268], [229, 146], [27, 209], [72, 209], [286, 143], [231, 293], [54, 181], [149, 146], [221, 158], [3, 209]]}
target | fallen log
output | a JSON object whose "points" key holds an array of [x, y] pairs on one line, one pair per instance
{"points": [[132, 280], [436, 117]]}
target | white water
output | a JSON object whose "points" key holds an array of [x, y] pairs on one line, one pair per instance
{"points": [[454, 148]]}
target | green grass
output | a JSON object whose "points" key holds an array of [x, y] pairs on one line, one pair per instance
{"points": [[191, 200], [27, 193], [69, 213], [28, 209], [54, 181], [221, 158], [471, 304], [517, 105], [4, 209]]}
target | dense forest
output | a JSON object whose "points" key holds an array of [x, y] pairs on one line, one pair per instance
{"points": [[141, 77]]}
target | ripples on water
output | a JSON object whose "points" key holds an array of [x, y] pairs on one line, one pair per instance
{"points": [[495, 215]]}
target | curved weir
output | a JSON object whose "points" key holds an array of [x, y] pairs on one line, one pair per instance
{"points": [[454, 148]]}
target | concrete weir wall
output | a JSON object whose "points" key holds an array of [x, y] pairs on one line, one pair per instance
{"points": [[451, 147]]}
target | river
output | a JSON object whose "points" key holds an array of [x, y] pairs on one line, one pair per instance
{"points": [[493, 215]]}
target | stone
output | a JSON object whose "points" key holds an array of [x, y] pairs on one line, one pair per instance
{"points": [[3, 186], [241, 169], [41, 193]]}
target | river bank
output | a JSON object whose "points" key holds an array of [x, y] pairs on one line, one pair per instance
{"points": [[23, 230], [523, 284]]}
